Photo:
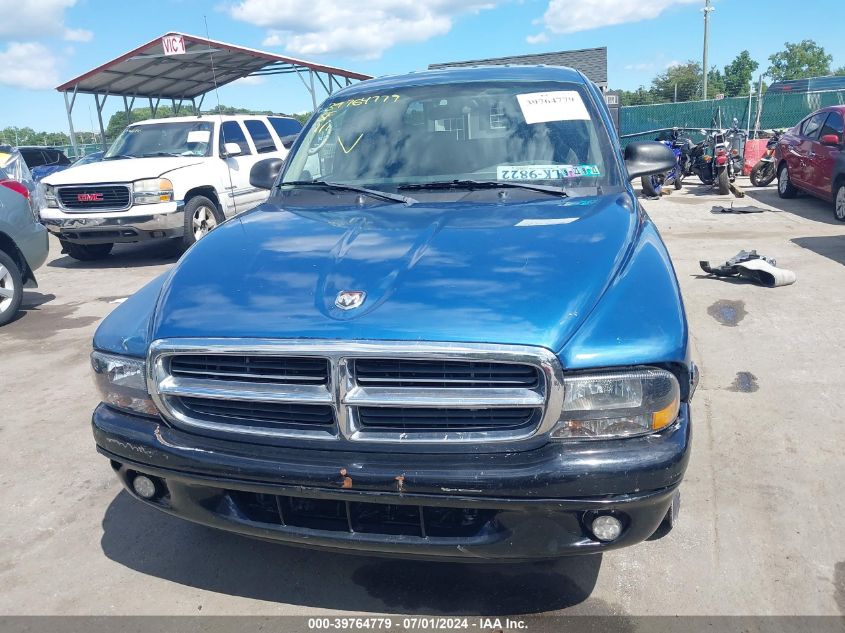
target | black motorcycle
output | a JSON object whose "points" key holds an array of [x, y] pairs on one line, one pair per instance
{"points": [[764, 171], [721, 157]]}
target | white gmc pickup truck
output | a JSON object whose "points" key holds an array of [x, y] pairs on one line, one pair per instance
{"points": [[163, 178]]}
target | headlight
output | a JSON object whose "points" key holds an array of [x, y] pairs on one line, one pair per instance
{"points": [[122, 382], [50, 197], [152, 190], [614, 404]]}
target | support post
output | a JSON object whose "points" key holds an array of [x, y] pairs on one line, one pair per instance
{"points": [[759, 104], [100, 107], [313, 94], [69, 108], [750, 94], [707, 10]]}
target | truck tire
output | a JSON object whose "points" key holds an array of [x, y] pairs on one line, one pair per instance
{"points": [[86, 252], [11, 288], [785, 187], [201, 217], [839, 202], [724, 181]]}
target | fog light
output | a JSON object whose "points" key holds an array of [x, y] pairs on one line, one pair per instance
{"points": [[606, 528], [144, 487]]}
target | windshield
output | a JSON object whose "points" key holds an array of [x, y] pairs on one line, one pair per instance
{"points": [[188, 138], [545, 133]]}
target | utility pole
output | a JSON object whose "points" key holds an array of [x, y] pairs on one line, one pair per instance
{"points": [[705, 68]]}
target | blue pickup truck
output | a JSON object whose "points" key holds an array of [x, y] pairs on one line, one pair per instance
{"points": [[451, 332]]}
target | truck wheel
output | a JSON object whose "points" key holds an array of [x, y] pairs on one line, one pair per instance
{"points": [[724, 181], [839, 202], [86, 252], [785, 187], [11, 288], [201, 217]]}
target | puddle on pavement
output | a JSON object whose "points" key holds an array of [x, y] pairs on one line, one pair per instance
{"points": [[745, 382], [728, 313]]}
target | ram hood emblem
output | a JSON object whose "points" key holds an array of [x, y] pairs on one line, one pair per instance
{"points": [[350, 299]]}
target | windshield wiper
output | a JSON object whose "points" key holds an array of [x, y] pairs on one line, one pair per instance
{"points": [[118, 156], [483, 184], [152, 154], [375, 193]]}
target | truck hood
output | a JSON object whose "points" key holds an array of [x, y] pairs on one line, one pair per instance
{"points": [[121, 170], [500, 273]]}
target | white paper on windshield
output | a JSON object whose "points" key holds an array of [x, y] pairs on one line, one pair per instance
{"points": [[545, 172], [199, 136], [558, 105]]}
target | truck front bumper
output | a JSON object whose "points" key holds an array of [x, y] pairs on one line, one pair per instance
{"points": [[514, 506], [137, 224]]}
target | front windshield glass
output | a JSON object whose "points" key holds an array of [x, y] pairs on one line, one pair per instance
{"points": [[187, 138], [545, 133]]}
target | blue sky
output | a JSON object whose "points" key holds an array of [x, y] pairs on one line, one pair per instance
{"points": [[46, 42]]}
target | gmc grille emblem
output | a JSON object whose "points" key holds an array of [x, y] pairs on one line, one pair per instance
{"points": [[89, 197]]}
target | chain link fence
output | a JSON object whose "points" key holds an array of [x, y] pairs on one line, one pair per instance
{"points": [[779, 111]]}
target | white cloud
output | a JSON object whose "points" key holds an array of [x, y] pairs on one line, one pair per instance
{"points": [[321, 27], [78, 35], [673, 63], [540, 38], [640, 68], [254, 80], [28, 65], [38, 19], [565, 16]]}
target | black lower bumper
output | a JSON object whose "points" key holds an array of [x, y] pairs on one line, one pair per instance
{"points": [[524, 505]]}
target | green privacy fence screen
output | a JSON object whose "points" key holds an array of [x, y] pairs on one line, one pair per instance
{"points": [[779, 111]]}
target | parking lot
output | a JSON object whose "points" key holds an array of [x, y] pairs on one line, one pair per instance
{"points": [[761, 521]]}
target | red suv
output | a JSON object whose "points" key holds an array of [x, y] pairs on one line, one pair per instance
{"points": [[812, 158]]}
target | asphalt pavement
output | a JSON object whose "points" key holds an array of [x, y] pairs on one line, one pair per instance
{"points": [[760, 530]]}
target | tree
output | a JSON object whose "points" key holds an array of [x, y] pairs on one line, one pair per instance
{"points": [[687, 78], [640, 96], [739, 74], [715, 83], [839, 72], [799, 61]]}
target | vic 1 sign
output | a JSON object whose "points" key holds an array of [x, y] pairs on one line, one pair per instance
{"points": [[173, 44]]}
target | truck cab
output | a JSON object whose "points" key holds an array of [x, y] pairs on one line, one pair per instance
{"points": [[163, 178]]}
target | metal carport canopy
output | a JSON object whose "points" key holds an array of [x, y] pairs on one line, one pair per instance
{"points": [[199, 67]]}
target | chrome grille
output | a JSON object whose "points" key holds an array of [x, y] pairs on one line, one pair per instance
{"points": [[270, 415], [443, 374], [409, 420], [269, 369], [397, 392], [95, 197]]}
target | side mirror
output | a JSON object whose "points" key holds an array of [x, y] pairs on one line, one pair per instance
{"points": [[645, 158], [264, 173], [231, 149], [831, 140]]}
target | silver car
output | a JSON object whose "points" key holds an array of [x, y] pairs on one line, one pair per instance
{"points": [[23, 239]]}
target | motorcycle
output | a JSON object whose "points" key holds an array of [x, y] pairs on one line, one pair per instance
{"points": [[681, 147], [764, 171], [721, 162]]}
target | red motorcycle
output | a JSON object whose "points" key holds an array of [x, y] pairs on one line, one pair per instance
{"points": [[764, 171]]}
